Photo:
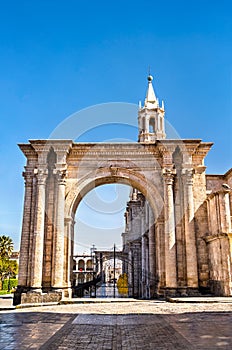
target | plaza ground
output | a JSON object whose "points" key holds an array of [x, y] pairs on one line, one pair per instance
{"points": [[107, 324]]}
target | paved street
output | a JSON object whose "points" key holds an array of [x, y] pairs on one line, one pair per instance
{"points": [[119, 325]]}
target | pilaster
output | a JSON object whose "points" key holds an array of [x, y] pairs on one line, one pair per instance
{"points": [[58, 272], [38, 237], [26, 226], [224, 202], [190, 237], [170, 236], [69, 237]]}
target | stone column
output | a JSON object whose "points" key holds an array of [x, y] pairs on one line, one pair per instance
{"points": [[58, 273], [38, 237], [25, 237], [143, 258], [190, 237], [148, 293], [159, 255], [151, 253], [169, 222], [224, 202], [68, 265], [137, 267], [230, 262]]}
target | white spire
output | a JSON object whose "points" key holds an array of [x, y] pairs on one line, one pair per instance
{"points": [[151, 117], [150, 100]]}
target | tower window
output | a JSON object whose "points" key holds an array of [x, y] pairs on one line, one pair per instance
{"points": [[152, 126]]}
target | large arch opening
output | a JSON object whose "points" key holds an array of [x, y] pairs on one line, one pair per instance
{"points": [[99, 224], [134, 239]]}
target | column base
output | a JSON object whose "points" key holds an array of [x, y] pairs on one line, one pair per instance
{"points": [[193, 292], [24, 295], [168, 292], [66, 291]]}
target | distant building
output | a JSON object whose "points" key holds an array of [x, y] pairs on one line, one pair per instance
{"points": [[83, 268], [111, 271]]}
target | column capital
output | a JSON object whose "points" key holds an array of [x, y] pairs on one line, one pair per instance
{"points": [[187, 174], [168, 175], [28, 177], [41, 175], [61, 176]]}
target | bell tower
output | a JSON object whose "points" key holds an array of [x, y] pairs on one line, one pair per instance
{"points": [[151, 117]]}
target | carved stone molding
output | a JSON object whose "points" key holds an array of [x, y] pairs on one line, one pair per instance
{"points": [[62, 149], [41, 175], [28, 177], [168, 175], [61, 176], [223, 191], [200, 169], [187, 174]]}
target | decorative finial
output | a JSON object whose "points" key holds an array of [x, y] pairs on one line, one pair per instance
{"points": [[150, 77]]}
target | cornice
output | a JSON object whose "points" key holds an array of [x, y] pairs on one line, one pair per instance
{"points": [[203, 149], [27, 150], [221, 176], [57, 145], [215, 193], [135, 150]]}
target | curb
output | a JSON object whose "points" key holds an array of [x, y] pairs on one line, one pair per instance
{"points": [[198, 301], [10, 308], [24, 306]]}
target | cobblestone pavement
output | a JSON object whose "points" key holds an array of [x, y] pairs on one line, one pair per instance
{"points": [[127, 326]]}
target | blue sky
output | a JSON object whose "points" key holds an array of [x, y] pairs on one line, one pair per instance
{"points": [[58, 57]]}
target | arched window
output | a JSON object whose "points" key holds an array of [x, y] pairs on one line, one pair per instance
{"points": [[152, 126], [89, 265], [81, 265]]}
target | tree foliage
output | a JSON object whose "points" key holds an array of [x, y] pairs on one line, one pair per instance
{"points": [[9, 283], [6, 246], [8, 268]]}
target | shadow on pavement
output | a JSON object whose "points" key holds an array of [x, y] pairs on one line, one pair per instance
{"points": [[53, 330]]}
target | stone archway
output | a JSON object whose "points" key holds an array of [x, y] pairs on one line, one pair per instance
{"points": [[191, 220], [53, 191]]}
